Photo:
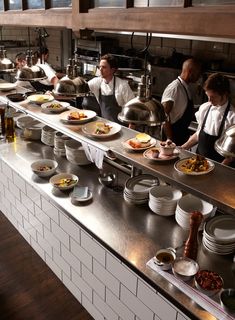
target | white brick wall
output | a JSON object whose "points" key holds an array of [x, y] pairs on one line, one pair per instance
{"points": [[103, 284]]}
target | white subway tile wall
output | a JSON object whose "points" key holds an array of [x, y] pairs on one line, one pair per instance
{"points": [[103, 284]]}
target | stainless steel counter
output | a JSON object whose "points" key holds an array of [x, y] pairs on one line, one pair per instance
{"points": [[133, 233], [217, 187]]}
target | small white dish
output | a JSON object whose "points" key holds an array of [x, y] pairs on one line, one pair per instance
{"points": [[89, 197], [7, 86], [44, 167], [91, 128], [128, 147], [64, 181], [55, 106]]}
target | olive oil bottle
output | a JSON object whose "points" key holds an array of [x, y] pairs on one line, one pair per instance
{"points": [[9, 124]]}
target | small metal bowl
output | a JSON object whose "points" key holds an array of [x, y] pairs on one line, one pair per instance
{"points": [[185, 268], [208, 282], [227, 300], [107, 179], [164, 258]]}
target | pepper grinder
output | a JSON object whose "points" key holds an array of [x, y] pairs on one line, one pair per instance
{"points": [[191, 245]]}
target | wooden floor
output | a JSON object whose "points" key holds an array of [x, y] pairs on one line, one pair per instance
{"points": [[29, 290]]}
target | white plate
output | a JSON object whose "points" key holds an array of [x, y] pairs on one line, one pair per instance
{"points": [[89, 129], [89, 116], [129, 147], [40, 98], [148, 155], [7, 86], [221, 228], [48, 106], [179, 166], [89, 197]]}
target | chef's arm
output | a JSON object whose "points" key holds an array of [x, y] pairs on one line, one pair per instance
{"points": [[191, 141], [227, 161], [168, 105]]}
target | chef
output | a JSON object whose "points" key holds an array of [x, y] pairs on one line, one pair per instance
{"points": [[110, 92], [213, 118], [178, 104]]}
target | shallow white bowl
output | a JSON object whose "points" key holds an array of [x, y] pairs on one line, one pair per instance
{"points": [[189, 203], [164, 193], [39, 164], [58, 177]]}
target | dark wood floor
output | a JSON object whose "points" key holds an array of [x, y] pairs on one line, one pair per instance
{"points": [[29, 290]]}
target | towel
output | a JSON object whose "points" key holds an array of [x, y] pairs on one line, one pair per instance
{"points": [[94, 154]]}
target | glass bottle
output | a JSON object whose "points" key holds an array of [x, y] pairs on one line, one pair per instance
{"points": [[9, 124], [2, 119]]}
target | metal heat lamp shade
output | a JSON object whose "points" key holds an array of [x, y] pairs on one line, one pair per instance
{"points": [[143, 109], [6, 65], [225, 145]]}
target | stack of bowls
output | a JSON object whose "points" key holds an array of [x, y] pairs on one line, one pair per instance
{"points": [[75, 153], [163, 200], [189, 203], [48, 136], [59, 144]]}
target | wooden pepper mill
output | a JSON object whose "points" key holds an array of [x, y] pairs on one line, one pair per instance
{"points": [[191, 245]]}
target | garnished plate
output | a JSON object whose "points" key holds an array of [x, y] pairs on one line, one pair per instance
{"points": [[40, 98], [94, 129], [149, 154], [182, 166], [55, 106], [128, 147], [77, 116]]}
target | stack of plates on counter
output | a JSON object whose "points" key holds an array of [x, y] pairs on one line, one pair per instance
{"points": [[189, 203], [59, 144], [163, 200], [136, 189], [219, 235], [48, 136]]}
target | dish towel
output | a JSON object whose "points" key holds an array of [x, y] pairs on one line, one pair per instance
{"points": [[201, 299], [94, 154]]}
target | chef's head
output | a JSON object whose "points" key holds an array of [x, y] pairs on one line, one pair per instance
{"points": [[217, 89], [108, 66]]}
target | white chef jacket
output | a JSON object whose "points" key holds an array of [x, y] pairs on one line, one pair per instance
{"points": [[50, 73], [176, 93], [214, 118], [123, 92]]}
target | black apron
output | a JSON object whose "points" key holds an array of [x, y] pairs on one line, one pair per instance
{"points": [[180, 130], [91, 103], [206, 141], [109, 106]]}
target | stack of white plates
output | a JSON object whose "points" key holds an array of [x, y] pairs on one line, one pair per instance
{"points": [[75, 153], [136, 189], [219, 234], [48, 136], [59, 144], [163, 200], [189, 203]]}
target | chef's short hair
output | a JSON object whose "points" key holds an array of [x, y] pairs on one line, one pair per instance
{"points": [[112, 61], [218, 83]]}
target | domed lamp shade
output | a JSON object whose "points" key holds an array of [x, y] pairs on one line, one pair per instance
{"points": [[143, 109], [225, 145], [6, 65]]}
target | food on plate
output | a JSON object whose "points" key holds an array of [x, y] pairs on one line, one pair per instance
{"points": [[65, 182], [196, 164], [44, 168], [54, 105], [75, 115], [155, 153], [41, 99], [209, 280], [102, 128], [167, 147], [141, 140]]}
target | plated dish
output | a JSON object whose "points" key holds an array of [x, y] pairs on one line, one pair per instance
{"points": [[140, 142], [64, 181], [55, 106], [77, 116], [101, 129], [7, 86], [40, 98], [155, 155], [196, 165]]}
